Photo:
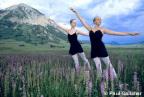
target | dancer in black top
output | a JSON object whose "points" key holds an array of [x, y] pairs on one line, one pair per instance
{"points": [[97, 46], [75, 47], [98, 50]]}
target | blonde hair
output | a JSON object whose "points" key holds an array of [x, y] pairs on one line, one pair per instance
{"points": [[95, 18]]}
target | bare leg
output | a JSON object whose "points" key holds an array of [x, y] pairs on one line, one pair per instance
{"points": [[98, 65], [86, 62], [76, 61], [109, 67]]}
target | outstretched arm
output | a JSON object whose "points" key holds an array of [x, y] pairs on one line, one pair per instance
{"points": [[82, 33], [63, 28], [110, 32], [87, 26]]}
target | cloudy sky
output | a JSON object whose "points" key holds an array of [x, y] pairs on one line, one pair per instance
{"points": [[117, 15]]}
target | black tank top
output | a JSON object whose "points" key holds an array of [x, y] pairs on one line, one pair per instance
{"points": [[75, 46], [97, 46], [72, 38]]}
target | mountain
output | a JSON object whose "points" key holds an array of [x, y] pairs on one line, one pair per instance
{"points": [[24, 23], [23, 13]]}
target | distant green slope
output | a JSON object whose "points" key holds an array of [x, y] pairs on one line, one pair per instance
{"points": [[13, 46], [12, 26], [34, 34]]}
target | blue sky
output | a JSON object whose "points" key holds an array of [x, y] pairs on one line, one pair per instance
{"points": [[117, 15]]}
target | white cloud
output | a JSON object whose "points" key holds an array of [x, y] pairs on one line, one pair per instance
{"points": [[51, 8], [83, 4], [8, 3], [114, 7], [58, 9]]}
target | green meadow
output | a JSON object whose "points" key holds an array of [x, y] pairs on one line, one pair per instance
{"points": [[48, 71]]}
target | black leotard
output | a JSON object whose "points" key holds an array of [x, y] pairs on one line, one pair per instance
{"points": [[75, 46], [97, 46]]}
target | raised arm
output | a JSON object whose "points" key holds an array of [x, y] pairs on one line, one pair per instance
{"points": [[82, 33], [86, 25], [110, 32], [62, 28]]}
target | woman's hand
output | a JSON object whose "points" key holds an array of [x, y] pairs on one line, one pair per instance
{"points": [[73, 10], [133, 34]]}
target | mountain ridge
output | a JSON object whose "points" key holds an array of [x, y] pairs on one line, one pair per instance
{"points": [[23, 13], [24, 23]]}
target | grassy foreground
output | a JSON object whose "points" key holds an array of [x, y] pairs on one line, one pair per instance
{"points": [[50, 72]]}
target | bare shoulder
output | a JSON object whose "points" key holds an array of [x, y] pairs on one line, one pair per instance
{"points": [[69, 31], [103, 29], [77, 31]]}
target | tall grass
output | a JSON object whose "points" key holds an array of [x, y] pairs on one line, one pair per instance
{"points": [[53, 75]]}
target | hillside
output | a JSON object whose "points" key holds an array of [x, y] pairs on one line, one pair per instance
{"points": [[24, 23]]}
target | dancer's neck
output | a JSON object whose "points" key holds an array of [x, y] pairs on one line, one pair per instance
{"points": [[97, 26], [72, 28]]}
